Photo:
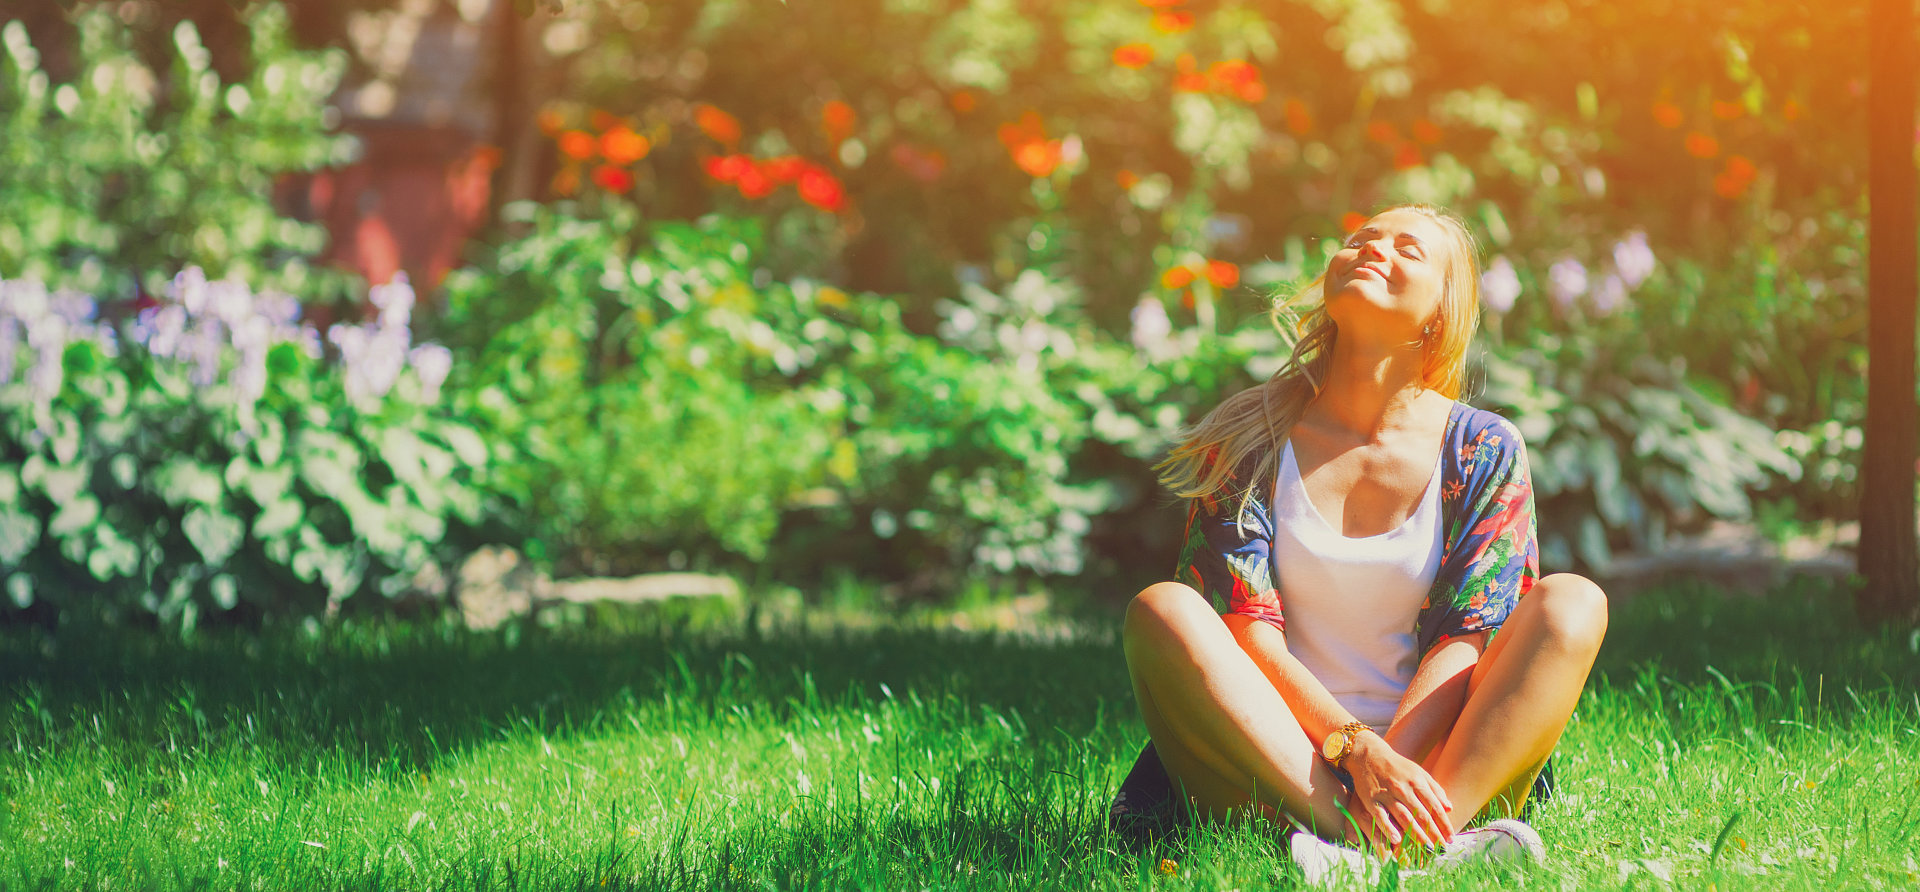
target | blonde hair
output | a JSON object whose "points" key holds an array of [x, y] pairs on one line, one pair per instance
{"points": [[1257, 420]]}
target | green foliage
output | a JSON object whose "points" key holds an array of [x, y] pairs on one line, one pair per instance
{"points": [[206, 459], [1623, 448], [124, 172]]}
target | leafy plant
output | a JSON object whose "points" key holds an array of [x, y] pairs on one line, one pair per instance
{"points": [[207, 457]]}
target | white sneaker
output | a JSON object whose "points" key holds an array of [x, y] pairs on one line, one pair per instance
{"points": [[1505, 841], [1327, 865]]}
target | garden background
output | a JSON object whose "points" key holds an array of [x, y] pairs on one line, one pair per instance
{"points": [[882, 304]]}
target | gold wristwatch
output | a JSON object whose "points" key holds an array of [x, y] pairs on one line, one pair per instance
{"points": [[1339, 744]]}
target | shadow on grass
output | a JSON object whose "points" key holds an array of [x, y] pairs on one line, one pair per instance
{"points": [[401, 696]]}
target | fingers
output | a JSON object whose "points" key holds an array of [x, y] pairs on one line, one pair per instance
{"points": [[1437, 807], [1420, 825]]}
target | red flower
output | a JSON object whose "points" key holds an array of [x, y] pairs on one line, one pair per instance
{"points": [[1038, 159], [1668, 115], [753, 183], [1127, 179], [578, 144], [1700, 145], [567, 181], [1427, 132], [963, 101], [613, 179], [1133, 55], [719, 126], [1176, 278], [1239, 78], [1353, 221], [784, 168], [728, 168], [1407, 157], [820, 189], [1791, 110]]}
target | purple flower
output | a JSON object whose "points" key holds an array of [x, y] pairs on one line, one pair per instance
{"points": [[1566, 281], [1610, 296], [1633, 258], [23, 299], [189, 288], [73, 306], [281, 309], [230, 301], [1500, 285], [9, 348]]}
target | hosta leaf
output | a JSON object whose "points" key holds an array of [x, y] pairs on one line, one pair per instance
{"points": [[75, 517], [19, 533], [215, 534], [279, 516], [183, 481]]}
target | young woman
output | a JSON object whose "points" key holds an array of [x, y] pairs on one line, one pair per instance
{"points": [[1390, 652]]}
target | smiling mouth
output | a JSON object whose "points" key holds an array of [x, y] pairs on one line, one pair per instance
{"points": [[1368, 269]]}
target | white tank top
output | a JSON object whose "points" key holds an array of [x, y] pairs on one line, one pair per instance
{"points": [[1350, 604]]}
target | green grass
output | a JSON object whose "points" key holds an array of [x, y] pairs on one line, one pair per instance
{"points": [[1751, 743]]}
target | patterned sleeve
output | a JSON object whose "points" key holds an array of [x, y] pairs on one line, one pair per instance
{"points": [[1492, 558], [1227, 556]]}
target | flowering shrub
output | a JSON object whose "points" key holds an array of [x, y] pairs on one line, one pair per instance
{"points": [[206, 457]]}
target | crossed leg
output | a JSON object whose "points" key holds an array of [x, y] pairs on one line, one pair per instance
{"points": [[1226, 735]]}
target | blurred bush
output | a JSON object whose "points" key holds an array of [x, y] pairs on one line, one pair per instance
{"points": [[205, 459], [123, 173]]}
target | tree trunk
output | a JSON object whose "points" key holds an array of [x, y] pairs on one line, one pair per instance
{"points": [[1889, 553]]}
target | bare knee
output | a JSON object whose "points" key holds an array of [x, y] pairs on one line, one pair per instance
{"points": [[1573, 609], [1165, 608]]}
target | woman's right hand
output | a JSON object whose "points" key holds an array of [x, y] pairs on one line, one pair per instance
{"points": [[1394, 796]]}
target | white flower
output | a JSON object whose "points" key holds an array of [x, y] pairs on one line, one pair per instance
{"points": [[1500, 285], [394, 300], [76, 307], [161, 329], [1150, 324], [24, 299], [281, 309], [229, 301], [432, 363], [190, 289], [1610, 296], [9, 348], [1633, 258], [1566, 281], [250, 376]]}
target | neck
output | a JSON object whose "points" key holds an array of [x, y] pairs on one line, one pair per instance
{"points": [[1371, 388]]}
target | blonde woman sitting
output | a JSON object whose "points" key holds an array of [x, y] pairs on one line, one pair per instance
{"points": [[1391, 665]]}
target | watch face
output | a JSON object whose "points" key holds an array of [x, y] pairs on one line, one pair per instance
{"points": [[1335, 743]]}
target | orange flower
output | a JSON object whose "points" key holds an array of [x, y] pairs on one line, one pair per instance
{"points": [[1161, 4], [1127, 179], [1191, 83], [486, 157], [1383, 132], [1427, 132], [1133, 55], [1700, 145], [567, 181], [1791, 110], [550, 121], [1223, 274], [1668, 115], [963, 101], [820, 189], [1240, 78], [621, 145], [719, 126], [754, 183], [837, 120], [578, 144], [1407, 157], [1727, 111], [1030, 128], [1172, 21], [1038, 158], [1728, 186], [1176, 278], [1740, 168], [728, 168], [1353, 221], [613, 179], [601, 119], [1299, 118], [784, 168]]}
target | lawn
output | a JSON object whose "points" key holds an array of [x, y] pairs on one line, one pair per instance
{"points": [[1724, 742]]}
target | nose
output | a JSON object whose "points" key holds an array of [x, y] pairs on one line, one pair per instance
{"points": [[1371, 249]]}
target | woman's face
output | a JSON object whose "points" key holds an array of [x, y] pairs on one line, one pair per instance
{"points": [[1387, 279]]}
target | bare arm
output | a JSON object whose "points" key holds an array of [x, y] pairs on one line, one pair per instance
{"points": [[1435, 697]]}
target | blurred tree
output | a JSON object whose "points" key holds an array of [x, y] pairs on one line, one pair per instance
{"points": [[1888, 552]]}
